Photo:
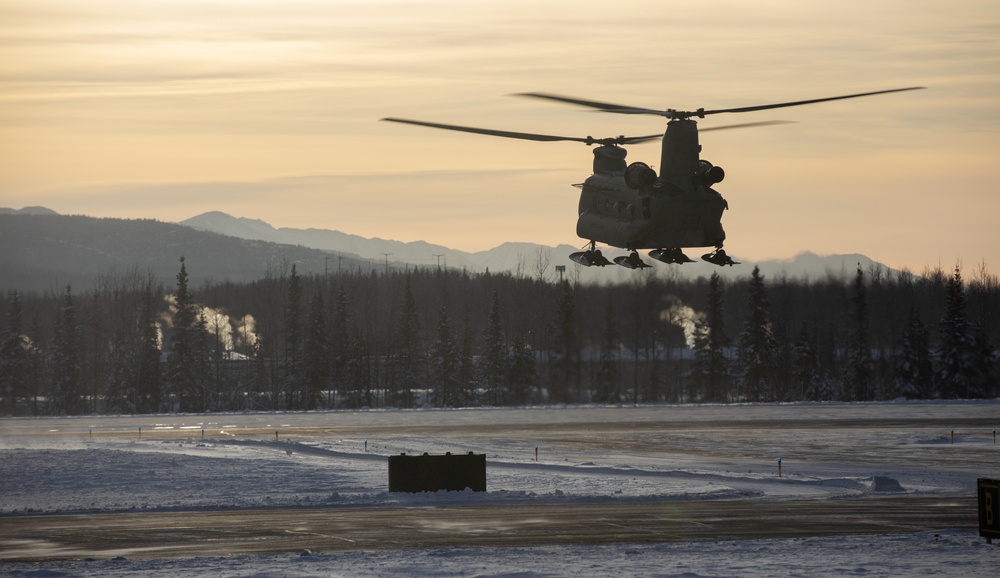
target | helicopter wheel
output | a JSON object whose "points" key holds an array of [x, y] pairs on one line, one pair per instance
{"points": [[719, 257], [632, 261], [590, 258], [674, 255]]}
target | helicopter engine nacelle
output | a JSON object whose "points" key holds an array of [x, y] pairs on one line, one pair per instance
{"points": [[639, 175], [709, 173]]}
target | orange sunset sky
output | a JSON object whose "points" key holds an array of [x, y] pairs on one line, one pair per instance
{"points": [[269, 110]]}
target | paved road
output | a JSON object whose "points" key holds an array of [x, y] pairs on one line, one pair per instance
{"points": [[213, 533]]}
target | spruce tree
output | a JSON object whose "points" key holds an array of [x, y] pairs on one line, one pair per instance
{"points": [[807, 382], [966, 367], [711, 367], [758, 347], [564, 366], [522, 373], [315, 354], [408, 363], [206, 392], [494, 359], [860, 371], [148, 372], [608, 373], [914, 372], [359, 369], [444, 363], [66, 389], [291, 366], [466, 377], [182, 371], [341, 349], [15, 353]]}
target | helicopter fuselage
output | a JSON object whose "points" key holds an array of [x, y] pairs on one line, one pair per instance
{"points": [[628, 206], [664, 216]]}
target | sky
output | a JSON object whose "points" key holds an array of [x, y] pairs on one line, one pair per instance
{"points": [[270, 110]]}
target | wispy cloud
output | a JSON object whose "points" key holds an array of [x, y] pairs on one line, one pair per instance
{"points": [[211, 102]]}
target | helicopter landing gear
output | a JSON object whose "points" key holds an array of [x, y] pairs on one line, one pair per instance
{"points": [[590, 258], [719, 257], [632, 261], [674, 255]]}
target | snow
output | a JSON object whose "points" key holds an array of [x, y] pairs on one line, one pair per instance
{"points": [[586, 455]]}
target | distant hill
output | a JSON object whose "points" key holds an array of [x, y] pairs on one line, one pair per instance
{"points": [[513, 257], [40, 251], [506, 257], [27, 211]]}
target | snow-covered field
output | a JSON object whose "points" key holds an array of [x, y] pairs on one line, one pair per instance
{"points": [[585, 456]]}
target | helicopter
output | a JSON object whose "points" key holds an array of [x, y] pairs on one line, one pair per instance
{"points": [[629, 205]]}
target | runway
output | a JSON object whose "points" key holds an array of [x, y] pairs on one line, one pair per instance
{"points": [[229, 532]]}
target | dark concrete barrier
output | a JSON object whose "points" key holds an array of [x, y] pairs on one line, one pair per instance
{"points": [[427, 473]]}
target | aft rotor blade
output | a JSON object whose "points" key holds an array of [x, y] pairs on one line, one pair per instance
{"points": [[801, 102], [529, 136], [491, 132], [638, 139], [747, 125], [700, 113]]}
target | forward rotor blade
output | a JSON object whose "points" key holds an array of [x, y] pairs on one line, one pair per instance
{"points": [[801, 102], [605, 106], [529, 136]]}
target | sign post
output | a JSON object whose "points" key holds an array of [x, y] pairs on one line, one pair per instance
{"points": [[989, 508]]}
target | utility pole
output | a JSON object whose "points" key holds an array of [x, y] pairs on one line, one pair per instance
{"points": [[386, 255], [439, 259]]}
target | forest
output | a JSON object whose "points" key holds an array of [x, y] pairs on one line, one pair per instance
{"points": [[437, 337]]}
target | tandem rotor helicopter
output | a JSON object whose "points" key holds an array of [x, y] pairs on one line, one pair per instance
{"points": [[630, 206]]}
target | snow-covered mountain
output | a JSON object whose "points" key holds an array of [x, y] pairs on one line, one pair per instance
{"points": [[42, 249], [506, 257], [529, 259]]}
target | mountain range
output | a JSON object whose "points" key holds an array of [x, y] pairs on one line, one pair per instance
{"points": [[42, 250], [510, 257]]}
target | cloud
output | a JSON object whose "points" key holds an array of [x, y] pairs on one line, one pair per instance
{"points": [[205, 105]]}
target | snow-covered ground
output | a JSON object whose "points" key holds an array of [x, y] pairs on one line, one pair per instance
{"points": [[586, 455]]}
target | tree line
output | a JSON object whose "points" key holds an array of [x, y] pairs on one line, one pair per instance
{"points": [[433, 337]]}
